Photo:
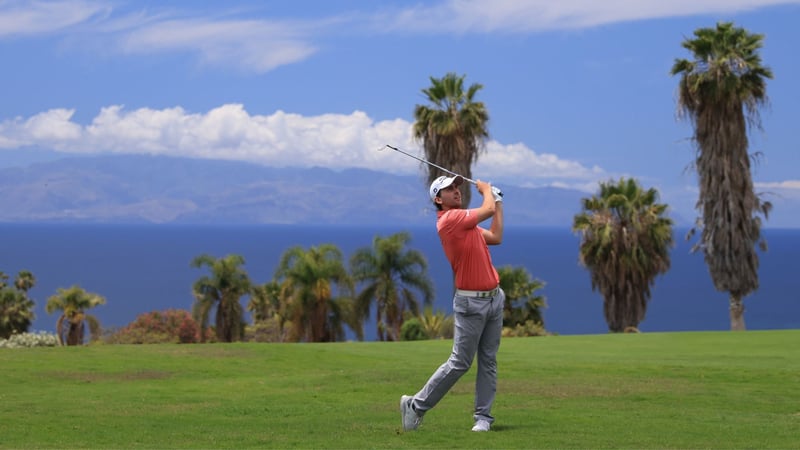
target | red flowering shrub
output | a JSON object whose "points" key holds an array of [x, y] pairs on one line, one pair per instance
{"points": [[160, 327]]}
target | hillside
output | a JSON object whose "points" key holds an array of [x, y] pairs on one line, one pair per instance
{"points": [[159, 189]]}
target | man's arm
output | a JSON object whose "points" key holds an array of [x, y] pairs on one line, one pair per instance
{"points": [[494, 235], [488, 207]]}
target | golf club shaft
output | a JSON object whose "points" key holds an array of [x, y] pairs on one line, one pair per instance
{"points": [[431, 164]]}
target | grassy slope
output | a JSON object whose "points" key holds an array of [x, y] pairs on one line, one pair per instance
{"points": [[658, 390]]}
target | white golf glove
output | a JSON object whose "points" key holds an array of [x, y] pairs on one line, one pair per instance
{"points": [[498, 194]]}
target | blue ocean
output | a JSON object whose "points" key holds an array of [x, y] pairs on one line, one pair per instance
{"points": [[141, 268]]}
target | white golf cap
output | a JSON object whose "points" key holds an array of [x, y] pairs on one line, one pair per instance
{"points": [[443, 182]]}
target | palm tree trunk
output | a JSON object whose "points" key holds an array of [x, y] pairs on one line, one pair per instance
{"points": [[61, 330], [378, 323], [737, 314], [75, 334]]}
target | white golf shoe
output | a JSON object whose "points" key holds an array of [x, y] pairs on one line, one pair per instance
{"points": [[481, 425], [410, 418]]}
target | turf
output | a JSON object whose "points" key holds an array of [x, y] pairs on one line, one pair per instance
{"points": [[654, 390]]}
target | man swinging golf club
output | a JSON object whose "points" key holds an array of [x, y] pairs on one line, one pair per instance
{"points": [[477, 304]]}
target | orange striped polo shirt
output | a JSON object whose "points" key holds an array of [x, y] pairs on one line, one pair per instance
{"points": [[466, 250]]}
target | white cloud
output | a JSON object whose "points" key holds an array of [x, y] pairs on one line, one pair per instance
{"points": [[255, 45], [589, 188], [280, 139], [50, 128], [260, 44], [38, 17], [788, 184], [779, 190], [521, 16], [517, 161]]}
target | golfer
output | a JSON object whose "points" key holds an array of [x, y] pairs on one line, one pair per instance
{"points": [[477, 304]]}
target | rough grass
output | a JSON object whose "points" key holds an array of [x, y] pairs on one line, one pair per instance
{"points": [[658, 390]]}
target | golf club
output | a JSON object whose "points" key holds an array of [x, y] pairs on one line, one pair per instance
{"points": [[500, 193]]}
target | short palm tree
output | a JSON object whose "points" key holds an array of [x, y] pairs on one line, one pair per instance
{"points": [[306, 278], [265, 301], [720, 90], [436, 325], [24, 281], [268, 309], [16, 308], [522, 304], [73, 303], [223, 289], [16, 312], [394, 276], [625, 244], [453, 128]]}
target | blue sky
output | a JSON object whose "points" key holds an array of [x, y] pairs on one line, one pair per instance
{"points": [[578, 91]]}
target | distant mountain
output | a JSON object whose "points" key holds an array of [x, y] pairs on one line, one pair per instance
{"points": [[160, 189]]}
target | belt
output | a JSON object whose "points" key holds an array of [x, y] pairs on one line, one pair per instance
{"points": [[477, 294]]}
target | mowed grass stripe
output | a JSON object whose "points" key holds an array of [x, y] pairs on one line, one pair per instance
{"points": [[650, 390]]}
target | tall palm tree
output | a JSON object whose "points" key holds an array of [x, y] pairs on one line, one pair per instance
{"points": [[720, 91], [625, 243], [393, 276], [306, 279], [453, 129], [16, 312], [73, 303], [522, 304], [224, 288]]}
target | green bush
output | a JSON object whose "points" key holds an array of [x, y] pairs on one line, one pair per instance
{"points": [[412, 330], [37, 339]]}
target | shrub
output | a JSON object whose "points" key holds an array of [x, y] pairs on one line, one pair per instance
{"points": [[36, 339], [267, 330], [175, 326], [529, 328], [412, 330]]}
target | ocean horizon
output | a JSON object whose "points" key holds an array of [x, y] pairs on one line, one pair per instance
{"points": [[142, 268]]}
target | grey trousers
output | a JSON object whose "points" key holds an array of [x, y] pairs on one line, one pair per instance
{"points": [[478, 326]]}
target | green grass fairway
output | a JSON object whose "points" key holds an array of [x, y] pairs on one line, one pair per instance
{"points": [[652, 390]]}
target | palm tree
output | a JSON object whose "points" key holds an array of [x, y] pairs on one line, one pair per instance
{"points": [[73, 303], [265, 301], [453, 128], [393, 275], [16, 312], [625, 242], [521, 305], [16, 308], [24, 281], [224, 288], [306, 279], [720, 91], [269, 307]]}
